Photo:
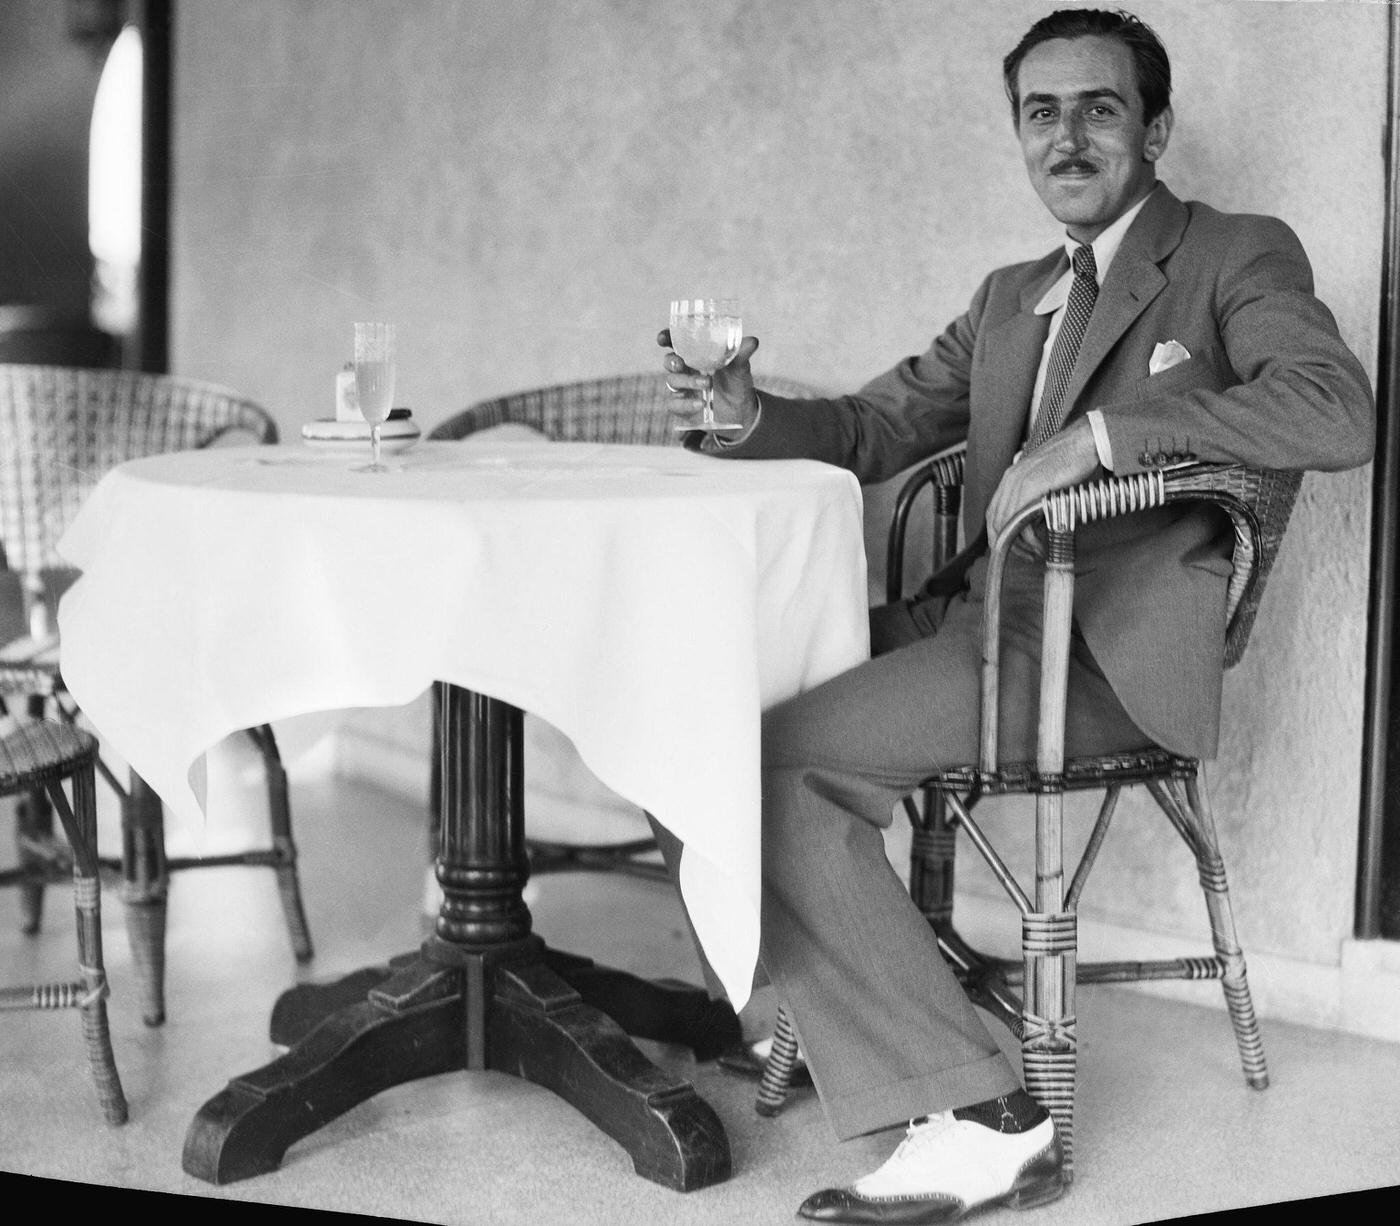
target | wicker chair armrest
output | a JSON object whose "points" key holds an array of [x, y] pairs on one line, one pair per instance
{"points": [[1257, 501], [943, 474]]}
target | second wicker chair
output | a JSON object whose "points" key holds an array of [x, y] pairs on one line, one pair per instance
{"points": [[62, 430]]}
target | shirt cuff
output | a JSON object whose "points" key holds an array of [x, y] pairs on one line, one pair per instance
{"points": [[719, 442], [1102, 443]]}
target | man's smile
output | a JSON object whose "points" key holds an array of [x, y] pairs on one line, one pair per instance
{"points": [[1074, 168]]}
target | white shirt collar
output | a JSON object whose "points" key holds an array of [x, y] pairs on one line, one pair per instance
{"points": [[1105, 248]]}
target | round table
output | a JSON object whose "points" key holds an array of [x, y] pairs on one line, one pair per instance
{"points": [[649, 603]]}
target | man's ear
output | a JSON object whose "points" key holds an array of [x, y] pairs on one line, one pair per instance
{"points": [[1159, 132]]}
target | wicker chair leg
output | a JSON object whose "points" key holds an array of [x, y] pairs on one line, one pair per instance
{"points": [[932, 853], [33, 826], [280, 812], [773, 1089], [81, 827], [1222, 926], [145, 889], [145, 929], [98, 1039], [1050, 933], [1049, 1044]]}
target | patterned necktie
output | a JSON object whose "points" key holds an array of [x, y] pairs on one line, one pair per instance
{"points": [[1082, 293]]}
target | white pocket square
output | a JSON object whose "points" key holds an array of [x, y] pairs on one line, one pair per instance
{"points": [[1166, 355]]}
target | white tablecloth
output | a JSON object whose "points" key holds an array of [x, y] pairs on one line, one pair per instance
{"points": [[647, 602]]}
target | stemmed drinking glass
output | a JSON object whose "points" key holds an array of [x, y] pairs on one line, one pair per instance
{"points": [[375, 368], [706, 333]]}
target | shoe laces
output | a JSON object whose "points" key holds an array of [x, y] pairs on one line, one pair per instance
{"points": [[922, 1139], [923, 1132]]}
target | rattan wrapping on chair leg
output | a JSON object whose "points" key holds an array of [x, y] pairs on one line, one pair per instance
{"points": [[932, 856], [777, 1069], [1222, 925], [80, 820], [1049, 1045]]}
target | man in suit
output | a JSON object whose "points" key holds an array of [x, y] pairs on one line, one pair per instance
{"points": [[1163, 331]]}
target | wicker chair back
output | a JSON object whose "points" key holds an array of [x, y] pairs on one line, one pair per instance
{"points": [[615, 409], [64, 428]]}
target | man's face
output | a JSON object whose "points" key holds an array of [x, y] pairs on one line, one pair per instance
{"points": [[1087, 150]]}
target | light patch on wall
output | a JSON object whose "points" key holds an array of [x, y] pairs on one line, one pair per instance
{"points": [[114, 185]]}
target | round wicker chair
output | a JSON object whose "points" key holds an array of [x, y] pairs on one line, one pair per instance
{"points": [[1035, 996], [63, 429]]}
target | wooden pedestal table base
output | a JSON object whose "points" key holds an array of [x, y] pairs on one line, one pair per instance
{"points": [[483, 993]]}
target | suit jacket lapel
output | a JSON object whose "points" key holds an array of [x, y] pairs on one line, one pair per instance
{"points": [[1134, 280], [996, 434]]}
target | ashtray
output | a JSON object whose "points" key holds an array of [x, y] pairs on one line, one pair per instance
{"points": [[399, 433]]}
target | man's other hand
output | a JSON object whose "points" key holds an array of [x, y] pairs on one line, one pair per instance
{"points": [[1067, 458]]}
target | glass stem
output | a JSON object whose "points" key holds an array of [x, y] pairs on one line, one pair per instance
{"points": [[374, 442], [707, 417]]}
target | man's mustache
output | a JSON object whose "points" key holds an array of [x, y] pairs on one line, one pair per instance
{"points": [[1072, 164]]}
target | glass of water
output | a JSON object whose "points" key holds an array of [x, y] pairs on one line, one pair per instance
{"points": [[376, 363], [706, 333]]}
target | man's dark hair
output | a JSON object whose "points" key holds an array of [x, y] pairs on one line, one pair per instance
{"points": [[1154, 70]]}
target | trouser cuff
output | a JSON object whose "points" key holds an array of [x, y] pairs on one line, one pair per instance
{"points": [[889, 1106]]}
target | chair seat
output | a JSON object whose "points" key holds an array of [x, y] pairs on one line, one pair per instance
{"points": [[1080, 774], [32, 753]]}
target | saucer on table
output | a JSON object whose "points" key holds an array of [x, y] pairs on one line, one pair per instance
{"points": [[399, 433]]}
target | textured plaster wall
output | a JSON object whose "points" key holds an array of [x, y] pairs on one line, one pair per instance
{"points": [[524, 185]]}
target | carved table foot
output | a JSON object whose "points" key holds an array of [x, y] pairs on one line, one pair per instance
{"points": [[662, 1010], [508, 1009], [409, 1026]]}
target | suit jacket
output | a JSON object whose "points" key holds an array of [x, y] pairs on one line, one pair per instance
{"points": [[1269, 383]]}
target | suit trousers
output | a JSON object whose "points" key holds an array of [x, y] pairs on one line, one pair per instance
{"points": [[887, 1031]]}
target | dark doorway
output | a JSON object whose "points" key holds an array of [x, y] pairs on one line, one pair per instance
{"points": [[56, 58]]}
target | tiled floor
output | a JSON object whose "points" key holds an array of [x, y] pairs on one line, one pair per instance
{"points": [[1165, 1127]]}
